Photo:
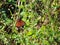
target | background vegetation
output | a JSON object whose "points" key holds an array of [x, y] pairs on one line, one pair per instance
{"points": [[42, 22]]}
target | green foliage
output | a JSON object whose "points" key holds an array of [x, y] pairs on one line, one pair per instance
{"points": [[42, 24]]}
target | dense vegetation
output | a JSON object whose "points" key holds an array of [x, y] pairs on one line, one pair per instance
{"points": [[40, 22]]}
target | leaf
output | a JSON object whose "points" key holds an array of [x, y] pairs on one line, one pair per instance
{"points": [[14, 36], [9, 0], [8, 21], [22, 0], [51, 39], [29, 33]]}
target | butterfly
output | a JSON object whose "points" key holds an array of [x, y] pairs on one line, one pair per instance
{"points": [[20, 24]]}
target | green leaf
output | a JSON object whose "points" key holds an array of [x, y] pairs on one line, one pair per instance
{"points": [[9, 0], [22, 0], [45, 42], [8, 21], [51, 39], [14, 36], [29, 33]]}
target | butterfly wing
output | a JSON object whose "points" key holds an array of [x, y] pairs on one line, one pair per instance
{"points": [[20, 23]]}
